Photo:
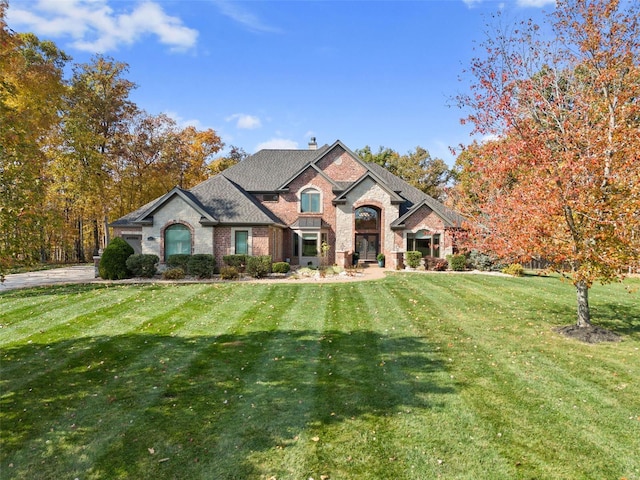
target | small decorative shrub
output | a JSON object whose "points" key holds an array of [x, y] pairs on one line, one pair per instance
{"points": [[178, 260], [201, 265], [457, 262], [258, 266], [175, 273], [229, 273], [480, 261], [235, 260], [143, 265], [280, 267], [514, 269], [412, 258], [435, 263], [113, 264]]}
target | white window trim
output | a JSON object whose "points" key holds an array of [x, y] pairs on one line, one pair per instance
{"points": [[315, 189], [249, 239]]}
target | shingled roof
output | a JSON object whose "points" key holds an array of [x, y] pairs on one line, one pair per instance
{"points": [[227, 197]]}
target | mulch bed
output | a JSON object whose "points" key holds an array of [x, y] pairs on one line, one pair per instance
{"points": [[590, 334]]}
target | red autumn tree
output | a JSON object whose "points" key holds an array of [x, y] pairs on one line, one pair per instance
{"points": [[560, 177]]}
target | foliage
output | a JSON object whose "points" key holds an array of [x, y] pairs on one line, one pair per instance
{"points": [[561, 178], [167, 371], [235, 155], [238, 260], [280, 267], [201, 265], [174, 273], [380, 257], [179, 260], [31, 89], [435, 263], [418, 168], [413, 258], [457, 262], [483, 261], [143, 265], [113, 263], [229, 273], [514, 269], [258, 266]]}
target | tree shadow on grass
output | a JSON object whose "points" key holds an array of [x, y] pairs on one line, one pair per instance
{"points": [[151, 406]]}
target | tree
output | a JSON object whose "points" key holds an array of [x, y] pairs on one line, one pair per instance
{"points": [[560, 178], [235, 155], [417, 168], [97, 116], [31, 89]]}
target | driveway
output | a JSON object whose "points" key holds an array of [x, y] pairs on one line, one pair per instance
{"points": [[56, 276]]}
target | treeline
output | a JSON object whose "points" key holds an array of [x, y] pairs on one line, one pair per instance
{"points": [[76, 153]]}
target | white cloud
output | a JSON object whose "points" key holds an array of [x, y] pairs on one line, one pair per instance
{"points": [[244, 121], [94, 26], [234, 11], [278, 143]]}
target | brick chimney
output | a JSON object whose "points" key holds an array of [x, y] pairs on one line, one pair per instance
{"points": [[312, 144]]}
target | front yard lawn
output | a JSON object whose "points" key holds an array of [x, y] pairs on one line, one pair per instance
{"points": [[412, 377]]}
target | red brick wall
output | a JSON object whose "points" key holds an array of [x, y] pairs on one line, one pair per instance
{"points": [[341, 167]]}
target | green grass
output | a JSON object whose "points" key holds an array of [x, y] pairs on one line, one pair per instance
{"points": [[412, 377]]}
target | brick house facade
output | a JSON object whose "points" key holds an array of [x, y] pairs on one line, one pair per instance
{"points": [[286, 203]]}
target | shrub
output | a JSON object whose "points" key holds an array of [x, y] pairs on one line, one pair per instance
{"points": [[514, 269], [280, 267], [235, 260], [201, 265], [413, 258], [482, 261], [457, 262], [258, 266], [229, 273], [113, 264], [178, 260], [435, 263], [143, 265], [175, 273]]}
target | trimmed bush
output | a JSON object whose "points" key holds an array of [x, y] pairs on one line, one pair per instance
{"points": [[229, 273], [175, 273], [201, 265], [514, 269], [457, 262], [179, 260], [237, 261], [280, 267], [143, 265], [113, 264], [412, 258], [258, 266]]}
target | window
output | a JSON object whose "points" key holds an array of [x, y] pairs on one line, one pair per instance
{"points": [[366, 218], [425, 243], [310, 201], [242, 242], [177, 239], [309, 244]]}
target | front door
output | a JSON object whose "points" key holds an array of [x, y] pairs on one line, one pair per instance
{"points": [[367, 246]]}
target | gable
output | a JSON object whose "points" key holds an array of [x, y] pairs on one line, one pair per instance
{"points": [[339, 165]]}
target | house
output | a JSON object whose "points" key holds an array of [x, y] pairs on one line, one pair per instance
{"points": [[286, 203]]}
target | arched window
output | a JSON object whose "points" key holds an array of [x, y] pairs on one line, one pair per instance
{"points": [[310, 201], [177, 239], [366, 218]]}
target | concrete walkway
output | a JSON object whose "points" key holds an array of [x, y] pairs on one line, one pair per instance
{"points": [[56, 276]]}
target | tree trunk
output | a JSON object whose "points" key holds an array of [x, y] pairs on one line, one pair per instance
{"points": [[582, 291]]}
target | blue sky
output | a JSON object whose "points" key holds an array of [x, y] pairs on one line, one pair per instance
{"points": [[272, 74]]}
